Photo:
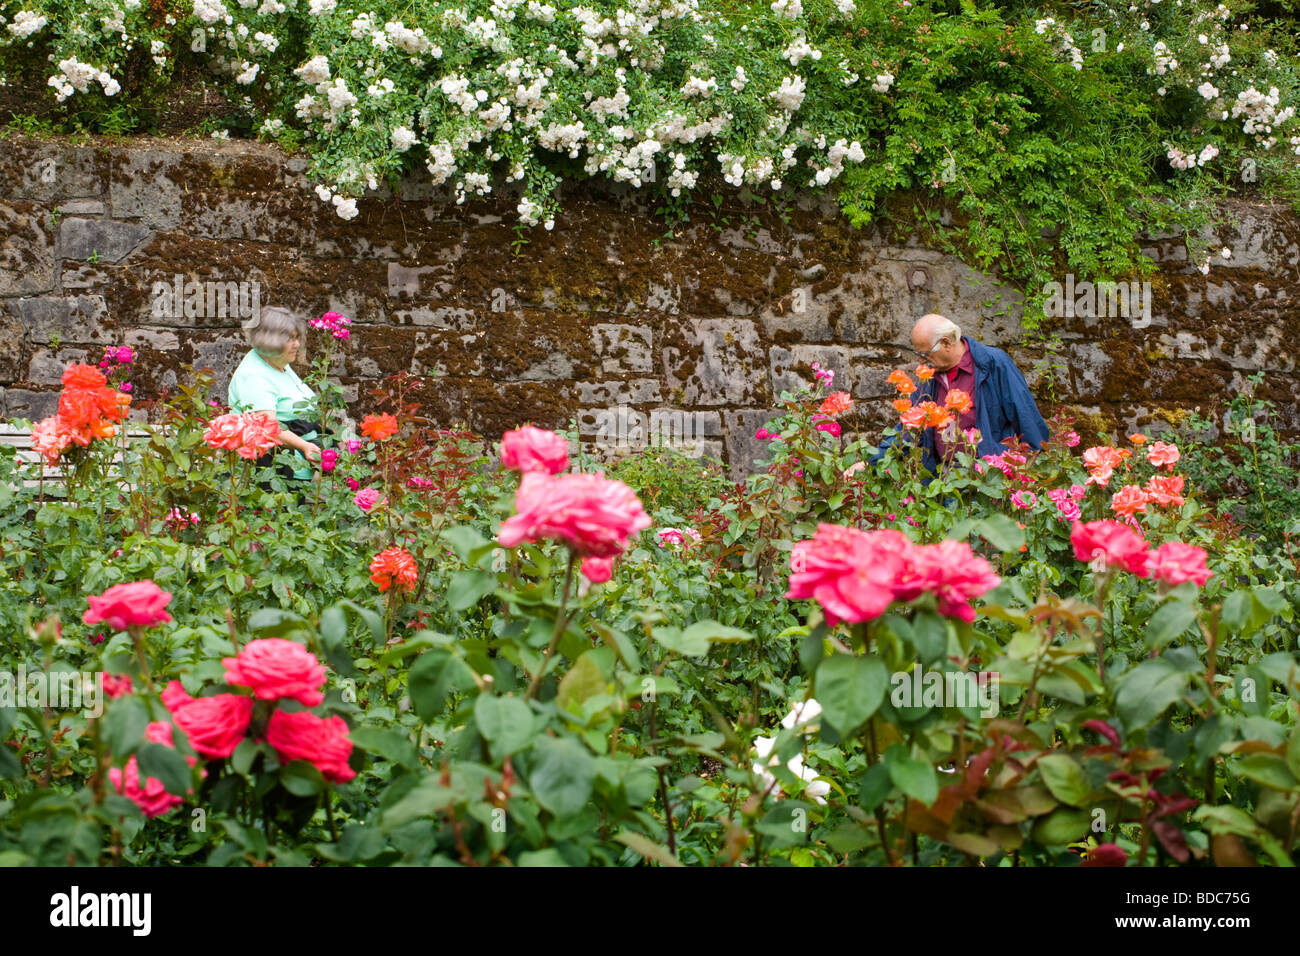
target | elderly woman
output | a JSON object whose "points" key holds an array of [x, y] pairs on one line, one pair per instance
{"points": [[266, 382]]}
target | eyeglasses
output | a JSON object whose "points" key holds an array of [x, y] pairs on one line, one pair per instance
{"points": [[925, 356]]}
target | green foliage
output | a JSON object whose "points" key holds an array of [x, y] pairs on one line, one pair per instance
{"points": [[1034, 140]]}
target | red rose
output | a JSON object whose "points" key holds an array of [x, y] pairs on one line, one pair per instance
{"points": [[323, 742], [214, 725]]}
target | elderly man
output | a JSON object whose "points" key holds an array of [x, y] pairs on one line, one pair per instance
{"points": [[1003, 405]]}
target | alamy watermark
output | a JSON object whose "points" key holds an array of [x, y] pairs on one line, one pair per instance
{"points": [[1101, 300], [923, 688], [56, 690], [625, 429], [208, 299]]}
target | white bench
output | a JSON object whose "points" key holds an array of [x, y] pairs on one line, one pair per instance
{"points": [[36, 471]]}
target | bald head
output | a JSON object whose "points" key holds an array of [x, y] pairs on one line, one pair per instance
{"points": [[938, 340]]}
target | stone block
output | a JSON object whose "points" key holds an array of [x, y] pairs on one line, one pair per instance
{"points": [[32, 405], [722, 363], [624, 349], [145, 185], [46, 366], [743, 449], [68, 318], [99, 240], [26, 252]]}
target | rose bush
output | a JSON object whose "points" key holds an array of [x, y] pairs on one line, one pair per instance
{"points": [[650, 664]]}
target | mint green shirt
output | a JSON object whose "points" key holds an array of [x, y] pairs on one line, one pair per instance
{"points": [[259, 386]]}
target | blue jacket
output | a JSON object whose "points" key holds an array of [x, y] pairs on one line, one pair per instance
{"points": [[1004, 406]]}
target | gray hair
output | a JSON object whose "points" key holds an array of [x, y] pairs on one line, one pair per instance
{"points": [[947, 329], [274, 328]]}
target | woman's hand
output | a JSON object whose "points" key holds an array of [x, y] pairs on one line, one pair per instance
{"points": [[312, 452]]}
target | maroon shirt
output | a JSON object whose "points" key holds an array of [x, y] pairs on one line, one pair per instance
{"points": [[962, 376]]}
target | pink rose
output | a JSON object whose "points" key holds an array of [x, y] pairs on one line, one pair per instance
{"points": [[149, 795], [367, 498], [955, 575], [597, 570], [830, 427], [855, 575], [669, 536], [274, 667], [593, 514], [323, 742], [530, 449], [329, 457], [115, 687], [1176, 562], [1024, 500], [353, 446], [1110, 542], [123, 606], [214, 725], [850, 573], [353, 484]]}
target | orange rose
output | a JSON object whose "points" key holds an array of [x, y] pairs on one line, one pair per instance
{"points": [[81, 375], [379, 427], [924, 372], [958, 401], [901, 381]]}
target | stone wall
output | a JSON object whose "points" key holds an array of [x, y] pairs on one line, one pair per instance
{"points": [[701, 330]]}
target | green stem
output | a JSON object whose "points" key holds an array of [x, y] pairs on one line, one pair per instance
{"points": [[561, 620]]}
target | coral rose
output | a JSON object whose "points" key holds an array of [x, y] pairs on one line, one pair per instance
{"points": [[835, 403], [225, 432], [82, 376], [534, 449], [50, 439], [213, 725], [1128, 501], [593, 514], [1161, 455], [394, 567], [261, 433], [123, 606], [323, 742], [274, 667], [958, 401], [1167, 490]]}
